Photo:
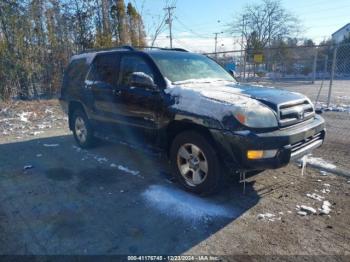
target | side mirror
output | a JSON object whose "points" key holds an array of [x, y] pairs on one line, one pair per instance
{"points": [[140, 79], [232, 73]]}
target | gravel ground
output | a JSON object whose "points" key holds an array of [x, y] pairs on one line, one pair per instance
{"points": [[120, 198]]}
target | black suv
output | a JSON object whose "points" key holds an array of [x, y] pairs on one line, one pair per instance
{"points": [[189, 107]]}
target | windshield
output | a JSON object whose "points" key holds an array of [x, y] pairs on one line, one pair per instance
{"points": [[178, 67]]}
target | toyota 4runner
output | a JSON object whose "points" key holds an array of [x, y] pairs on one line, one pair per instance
{"points": [[189, 107]]}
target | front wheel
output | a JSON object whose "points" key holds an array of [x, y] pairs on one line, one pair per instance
{"points": [[82, 130], [195, 163]]}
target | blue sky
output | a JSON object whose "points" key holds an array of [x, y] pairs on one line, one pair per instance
{"points": [[196, 20]]}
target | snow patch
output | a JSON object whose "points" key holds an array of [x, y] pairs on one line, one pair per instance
{"points": [[269, 216], [24, 116], [174, 202], [302, 213], [308, 209], [28, 167], [101, 159], [127, 170], [325, 191], [210, 97], [317, 161], [333, 107], [315, 196], [326, 208], [51, 145]]}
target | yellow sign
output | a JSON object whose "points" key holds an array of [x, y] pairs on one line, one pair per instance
{"points": [[258, 58]]}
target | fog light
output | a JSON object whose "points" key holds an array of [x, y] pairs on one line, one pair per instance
{"points": [[258, 154]]}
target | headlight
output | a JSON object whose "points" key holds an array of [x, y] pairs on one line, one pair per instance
{"points": [[255, 115]]}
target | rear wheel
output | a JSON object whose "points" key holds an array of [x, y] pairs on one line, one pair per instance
{"points": [[195, 164], [82, 130]]}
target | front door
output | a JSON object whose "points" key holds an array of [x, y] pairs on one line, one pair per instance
{"points": [[140, 106]]}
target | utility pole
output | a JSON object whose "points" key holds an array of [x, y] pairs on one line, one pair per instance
{"points": [[332, 75], [216, 43], [170, 22], [243, 51]]}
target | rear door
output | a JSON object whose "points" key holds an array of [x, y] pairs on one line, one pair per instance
{"points": [[101, 85]]}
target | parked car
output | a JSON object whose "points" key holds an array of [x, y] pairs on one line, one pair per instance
{"points": [[190, 108]]}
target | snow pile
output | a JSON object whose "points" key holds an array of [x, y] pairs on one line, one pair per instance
{"points": [[209, 97], [269, 217], [315, 196], [316, 161], [24, 116], [177, 203], [307, 209], [304, 210], [326, 208], [325, 190], [333, 107]]}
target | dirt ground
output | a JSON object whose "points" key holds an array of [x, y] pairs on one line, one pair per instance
{"points": [[120, 199]]}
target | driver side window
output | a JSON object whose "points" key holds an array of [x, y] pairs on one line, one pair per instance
{"points": [[131, 64]]}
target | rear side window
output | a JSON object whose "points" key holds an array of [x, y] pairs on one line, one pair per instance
{"points": [[130, 64], [104, 69], [76, 71]]}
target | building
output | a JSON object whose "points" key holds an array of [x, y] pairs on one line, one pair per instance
{"points": [[342, 33]]}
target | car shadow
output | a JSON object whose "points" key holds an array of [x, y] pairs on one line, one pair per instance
{"points": [[113, 199]]}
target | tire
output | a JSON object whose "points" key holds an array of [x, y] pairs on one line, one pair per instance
{"points": [[82, 130], [197, 168]]}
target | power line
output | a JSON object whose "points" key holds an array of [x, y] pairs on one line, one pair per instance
{"points": [[216, 40], [190, 30], [170, 22]]}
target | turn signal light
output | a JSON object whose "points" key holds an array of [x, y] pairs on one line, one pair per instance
{"points": [[258, 154], [255, 154]]}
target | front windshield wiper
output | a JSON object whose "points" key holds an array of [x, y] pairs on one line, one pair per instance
{"points": [[201, 81]]}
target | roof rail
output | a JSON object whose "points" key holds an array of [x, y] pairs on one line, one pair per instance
{"points": [[127, 47], [162, 48], [177, 49], [131, 48]]}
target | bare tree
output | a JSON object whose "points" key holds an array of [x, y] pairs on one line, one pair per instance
{"points": [[260, 24], [159, 24]]}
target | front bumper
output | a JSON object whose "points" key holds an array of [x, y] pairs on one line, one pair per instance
{"points": [[291, 143]]}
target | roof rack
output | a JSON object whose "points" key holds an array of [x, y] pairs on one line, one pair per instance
{"points": [[127, 47], [131, 48], [162, 48]]}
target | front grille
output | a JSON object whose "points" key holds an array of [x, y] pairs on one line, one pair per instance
{"points": [[295, 112], [308, 141]]}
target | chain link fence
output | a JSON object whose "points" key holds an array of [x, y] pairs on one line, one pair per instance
{"points": [[320, 72]]}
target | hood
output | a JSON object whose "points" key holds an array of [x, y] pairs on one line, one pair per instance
{"points": [[230, 92], [269, 95], [218, 98]]}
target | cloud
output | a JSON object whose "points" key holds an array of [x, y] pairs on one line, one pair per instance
{"points": [[197, 44]]}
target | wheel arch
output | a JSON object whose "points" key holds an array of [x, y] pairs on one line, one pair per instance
{"points": [[72, 106], [176, 127]]}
